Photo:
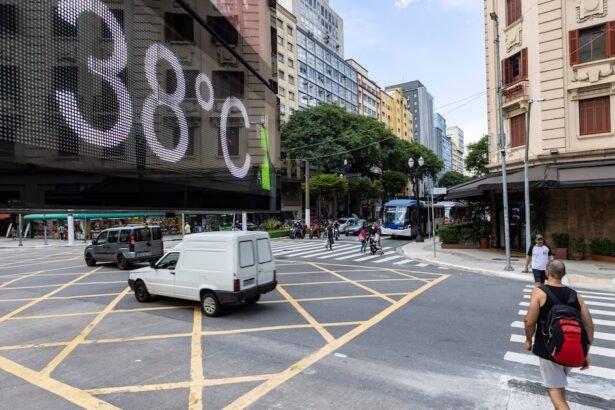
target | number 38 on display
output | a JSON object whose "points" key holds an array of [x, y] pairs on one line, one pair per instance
{"points": [[109, 70]]}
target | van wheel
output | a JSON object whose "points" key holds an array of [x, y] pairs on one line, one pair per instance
{"points": [[210, 304], [122, 264], [89, 260], [141, 293], [253, 300]]}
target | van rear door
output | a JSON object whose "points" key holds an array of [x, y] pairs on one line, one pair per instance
{"points": [[157, 246], [246, 270], [143, 242], [266, 266]]}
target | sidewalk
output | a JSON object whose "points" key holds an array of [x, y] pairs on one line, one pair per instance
{"points": [[586, 274]]}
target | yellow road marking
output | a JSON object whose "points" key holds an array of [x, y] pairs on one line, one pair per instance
{"points": [[332, 282], [333, 298], [58, 284], [319, 328], [195, 399], [252, 396], [81, 336], [62, 297], [53, 292], [47, 260], [20, 278], [46, 270], [61, 315], [410, 276], [180, 385], [69, 393], [320, 272], [376, 268]]}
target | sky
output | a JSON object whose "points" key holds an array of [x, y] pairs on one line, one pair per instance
{"points": [[439, 42]]}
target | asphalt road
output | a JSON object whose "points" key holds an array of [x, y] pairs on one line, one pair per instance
{"points": [[341, 331]]}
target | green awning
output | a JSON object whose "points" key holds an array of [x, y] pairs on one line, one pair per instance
{"points": [[91, 216]]}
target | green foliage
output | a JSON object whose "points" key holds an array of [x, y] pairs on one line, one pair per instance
{"points": [[604, 247], [461, 233], [452, 178], [578, 244], [328, 185], [271, 224], [394, 182], [278, 233], [561, 240], [478, 157], [360, 187], [376, 190]]}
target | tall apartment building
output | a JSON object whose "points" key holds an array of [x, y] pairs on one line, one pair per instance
{"points": [[456, 136], [563, 52], [395, 114], [368, 92], [287, 64], [420, 104], [439, 132], [447, 153]]}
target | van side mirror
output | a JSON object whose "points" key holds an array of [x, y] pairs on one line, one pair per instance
{"points": [[93, 241], [152, 264], [171, 267]]}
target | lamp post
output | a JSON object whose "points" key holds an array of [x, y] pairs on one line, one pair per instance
{"points": [[502, 138], [526, 182], [417, 170]]}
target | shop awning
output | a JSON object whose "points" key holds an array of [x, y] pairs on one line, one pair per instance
{"points": [[92, 216], [557, 176]]}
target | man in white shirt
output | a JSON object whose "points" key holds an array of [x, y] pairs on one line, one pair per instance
{"points": [[539, 255]]}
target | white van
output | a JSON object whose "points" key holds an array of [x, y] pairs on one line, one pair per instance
{"points": [[215, 268]]}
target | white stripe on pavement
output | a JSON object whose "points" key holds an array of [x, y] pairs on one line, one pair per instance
{"points": [[353, 251], [335, 252], [422, 265], [597, 335], [600, 322], [601, 372], [442, 267], [390, 258], [352, 256], [403, 262], [592, 311], [581, 292], [373, 256], [588, 302], [312, 251], [585, 296], [593, 350]]}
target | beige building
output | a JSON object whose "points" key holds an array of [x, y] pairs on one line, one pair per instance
{"points": [[286, 24], [395, 114], [368, 92], [562, 52], [457, 140]]}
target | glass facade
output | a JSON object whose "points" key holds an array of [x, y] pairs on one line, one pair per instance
{"points": [[134, 105]]}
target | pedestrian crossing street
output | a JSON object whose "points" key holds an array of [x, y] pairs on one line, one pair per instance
{"points": [[601, 373], [343, 252]]}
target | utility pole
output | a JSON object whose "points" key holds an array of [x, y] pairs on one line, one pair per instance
{"points": [[307, 193], [526, 179], [502, 137]]}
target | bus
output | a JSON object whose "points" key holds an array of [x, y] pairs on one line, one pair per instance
{"points": [[401, 217]]}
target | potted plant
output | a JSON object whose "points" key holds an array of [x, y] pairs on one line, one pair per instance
{"points": [[484, 230], [578, 246], [561, 240]]}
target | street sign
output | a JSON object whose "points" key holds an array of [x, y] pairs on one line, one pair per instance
{"points": [[438, 191]]}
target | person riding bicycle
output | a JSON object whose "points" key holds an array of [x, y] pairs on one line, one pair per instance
{"points": [[336, 229]]}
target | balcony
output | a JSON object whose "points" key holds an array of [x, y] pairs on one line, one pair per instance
{"points": [[517, 93]]}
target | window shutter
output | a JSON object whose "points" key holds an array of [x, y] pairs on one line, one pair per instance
{"points": [[524, 72], [610, 38], [574, 47]]}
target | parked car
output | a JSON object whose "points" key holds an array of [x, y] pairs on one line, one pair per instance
{"points": [[345, 223], [215, 268], [355, 228], [125, 245]]}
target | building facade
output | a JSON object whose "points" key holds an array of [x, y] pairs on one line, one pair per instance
{"points": [[447, 153], [420, 104], [440, 132], [287, 64], [368, 92], [458, 148], [395, 114], [562, 52]]}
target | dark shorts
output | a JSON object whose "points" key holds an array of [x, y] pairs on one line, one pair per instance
{"points": [[539, 275]]}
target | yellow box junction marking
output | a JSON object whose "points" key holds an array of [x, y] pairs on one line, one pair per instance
{"points": [[195, 400], [317, 326]]}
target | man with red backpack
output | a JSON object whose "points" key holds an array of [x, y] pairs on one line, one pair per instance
{"points": [[564, 331]]}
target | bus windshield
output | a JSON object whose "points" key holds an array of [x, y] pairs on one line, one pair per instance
{"points": [[395, 215]]}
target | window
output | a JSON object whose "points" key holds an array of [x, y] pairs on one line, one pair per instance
{"points": [[232, 142], [60, 27], [102, 238], [517, 131], [291, 79], [125, 236], [593, 43], [291, 63], [281, 75], [515, 67], [192, 132], [291, 96], [246, 254], [228, 83], [513, 11], [280, 41], [142, 235], [281, 58], [112, 238], [10, 83], [289, 46], [178, 27], [595, 115], [264, 251], [280, 23], [169, 260], [224, 28], [68, 141], [281, 91], [289, 30], [8, 19], [189, 76], [156, 234], [119, 16]]}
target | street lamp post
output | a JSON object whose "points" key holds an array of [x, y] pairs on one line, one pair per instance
{"points": [[526, 182], [417, 170], [502, 138]]}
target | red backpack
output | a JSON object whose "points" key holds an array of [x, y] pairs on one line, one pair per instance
{"points": [[564, 331]]}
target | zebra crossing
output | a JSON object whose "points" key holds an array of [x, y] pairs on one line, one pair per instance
{"points": [[343, 252], [601, 373]]}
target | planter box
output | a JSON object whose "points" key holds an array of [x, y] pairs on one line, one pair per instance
{"points": [[460, 246], [603, 258], [561, 253]]}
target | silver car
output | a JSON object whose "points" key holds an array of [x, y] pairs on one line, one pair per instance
{"points": [[124, 245], [345, 223]]}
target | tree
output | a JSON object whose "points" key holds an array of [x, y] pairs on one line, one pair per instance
{"points": [[328, 186], [393, 182], [478, 157], [452, 178]]}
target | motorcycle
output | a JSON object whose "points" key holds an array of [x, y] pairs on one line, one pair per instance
{"points": [[296, 232], [315, 232], [336, 233]]}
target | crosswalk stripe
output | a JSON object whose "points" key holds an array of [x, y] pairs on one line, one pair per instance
{"points": [[333, 253], [585, 296], [390, 258], [422, 265], [593, 350], [600, 322], [352, 250], [352, 256], [592, 311], [373, 257], [584, 292], [597, 335], [403, 262], [442, 267], [321, 249], [595, 371], [292, 249], [588, 302]]}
